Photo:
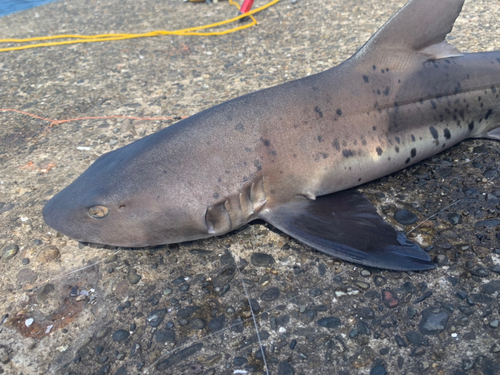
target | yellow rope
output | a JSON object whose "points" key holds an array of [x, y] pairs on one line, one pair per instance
{"points": [[110, 37]]}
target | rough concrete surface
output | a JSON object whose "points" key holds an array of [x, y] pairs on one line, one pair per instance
{"points": [[69, 308]]}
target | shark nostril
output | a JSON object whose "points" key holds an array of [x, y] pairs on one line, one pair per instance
{"points": [[121, 207], [98, 212]]}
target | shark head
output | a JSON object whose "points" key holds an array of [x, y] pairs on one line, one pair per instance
{"points": [[121, 200]]}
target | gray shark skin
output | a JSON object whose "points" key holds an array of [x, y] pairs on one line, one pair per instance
{"points": [[287, 154]]}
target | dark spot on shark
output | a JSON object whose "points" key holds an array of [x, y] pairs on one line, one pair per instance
{"points": [[339, 112], [434, 105], [382, 71], [363, 141], [379, 92], [320, 138], [366, 79], [434, 132], [412, 138], [488, 114], [398, 140], [374, 128], [399, 81], [273, 152], [462, 114], [257, 164], [478, 98], [318, 111], [444, 145], [355, 142], [447, 61], [458, 87], [374, 67], [387, 90], [239, 127], [348, 153], [413, 152], [379, 151], [248, 149], [447, 134], [216, 195], [407, 161], [266, 142], [344, 143], [294, 155], [336, 145], [359, 179], [471, 125], [397, 149]]}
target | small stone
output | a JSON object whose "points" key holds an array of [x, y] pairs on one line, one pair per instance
{"points": [[133, 277], [261, 260], [270, 295], [155, 317], [491, 287], [405, 217], [362, 285], [479, 271], [362, 358], [25, 261], [120, 335], [378, 370], [417, 352], [179, 356], [401, 341], [284, 368], [254, 304], [454, 218], [365, 312], [197, 323], [492, 223], [179, 280], [102, 333], [136, 349], [239, 361], [184, 288], [26, 276], [44, 291], [389, 298], [217, 323], [329, 322], [441, 260], [417, 339], [165, 335], [10, 251], [433, 321], [423, 366], [494, 323], [315, 292], [48, 254]]}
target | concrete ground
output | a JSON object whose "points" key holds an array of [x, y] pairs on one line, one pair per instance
{"points": [[68, 308]]}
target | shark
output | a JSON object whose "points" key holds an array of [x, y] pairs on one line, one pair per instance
{"points": [[292, 154]]}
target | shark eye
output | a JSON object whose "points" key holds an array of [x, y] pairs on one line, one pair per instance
{"points": [[98, 212]]}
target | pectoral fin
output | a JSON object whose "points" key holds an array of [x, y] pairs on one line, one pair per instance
{"points": [[347, 226]]}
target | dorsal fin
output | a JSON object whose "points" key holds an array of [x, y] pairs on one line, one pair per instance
{"points": [[416, 30]]}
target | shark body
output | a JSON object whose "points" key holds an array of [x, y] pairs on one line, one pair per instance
{"points": [[287, 154]]}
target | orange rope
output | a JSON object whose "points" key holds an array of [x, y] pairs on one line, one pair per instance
{"points": [[56, 122]]}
